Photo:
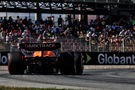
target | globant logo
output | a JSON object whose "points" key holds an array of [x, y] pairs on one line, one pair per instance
{"points": [[3, 59], [115, 59]]}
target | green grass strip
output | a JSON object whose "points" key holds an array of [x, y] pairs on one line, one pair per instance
{"points": [[19, 88]]}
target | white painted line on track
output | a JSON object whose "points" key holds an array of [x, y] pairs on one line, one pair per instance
{"points": [[5, 68]]}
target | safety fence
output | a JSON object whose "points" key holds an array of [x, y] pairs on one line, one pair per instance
{"points": [[107, 53], [83, 45], [75, 44]]}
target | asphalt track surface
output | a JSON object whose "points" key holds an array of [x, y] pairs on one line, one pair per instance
{"points": [[95, 79]]}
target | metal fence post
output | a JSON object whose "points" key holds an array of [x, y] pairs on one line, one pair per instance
{"points": [[89, 45], [61, 47], [123, 45]]}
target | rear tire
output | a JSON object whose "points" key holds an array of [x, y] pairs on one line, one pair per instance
{"points": [[79, 63], [70, 63], [67, 63], [16, 64]]}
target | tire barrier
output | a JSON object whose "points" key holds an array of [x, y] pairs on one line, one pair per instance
{"points": [[3, 58]]}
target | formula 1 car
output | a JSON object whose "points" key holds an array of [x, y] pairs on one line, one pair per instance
{"points": [[44, 58]]}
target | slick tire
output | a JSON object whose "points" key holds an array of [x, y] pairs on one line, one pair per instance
{"points": [[16, 63], [78, 63], [66, 62], [70, 63]]}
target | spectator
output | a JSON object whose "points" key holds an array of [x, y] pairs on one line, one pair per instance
{"points": [[60, 21], [69, 20], [97, 30]]}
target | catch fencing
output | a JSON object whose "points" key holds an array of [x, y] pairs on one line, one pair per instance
{"points": [[75, 44], [83, 45], [90, 48]]}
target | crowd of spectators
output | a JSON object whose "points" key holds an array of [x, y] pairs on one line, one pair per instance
{"points": [[96, 31]]}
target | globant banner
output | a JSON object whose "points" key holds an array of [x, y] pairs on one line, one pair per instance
{"points": [[3, 58], [94, 58], [109, 58]]}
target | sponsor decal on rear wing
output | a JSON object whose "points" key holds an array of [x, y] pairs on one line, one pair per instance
{"points": [[40, 46]]}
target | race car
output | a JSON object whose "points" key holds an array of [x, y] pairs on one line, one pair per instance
{"points": [[44, 58]]}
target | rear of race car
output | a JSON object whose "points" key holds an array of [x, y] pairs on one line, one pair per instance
{"points": [[42, 59]]}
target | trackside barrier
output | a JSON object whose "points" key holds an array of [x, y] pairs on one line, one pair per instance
{"points": [[109, 58], [93, 52], [94, 58]]}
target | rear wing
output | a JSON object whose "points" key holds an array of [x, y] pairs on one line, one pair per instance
{"points": [[39, 46]]}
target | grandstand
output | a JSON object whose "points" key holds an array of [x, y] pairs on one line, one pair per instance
{"points": [[83, 7]]}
